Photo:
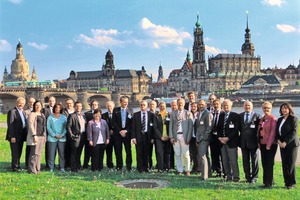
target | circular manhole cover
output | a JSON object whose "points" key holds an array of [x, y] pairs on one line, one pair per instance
{"points": [[143, 184]]}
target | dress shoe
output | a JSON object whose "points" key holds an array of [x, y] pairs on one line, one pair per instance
{"points": [[159, 171], [178, 173]]}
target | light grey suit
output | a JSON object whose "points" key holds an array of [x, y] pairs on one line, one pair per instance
{"points": [[203, 126], [181, 145], [186, 123]]}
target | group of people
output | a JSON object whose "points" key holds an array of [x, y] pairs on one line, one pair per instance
{"points": [[203, 139]]}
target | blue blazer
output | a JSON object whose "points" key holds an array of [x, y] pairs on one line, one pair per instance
{"points": [[93, 131]]}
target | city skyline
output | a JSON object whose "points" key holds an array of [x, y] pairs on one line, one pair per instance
{"points": [[78, 38]]}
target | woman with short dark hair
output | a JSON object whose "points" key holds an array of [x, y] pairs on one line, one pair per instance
{"points": [[286, 136], [56, 127], [98, 137]]}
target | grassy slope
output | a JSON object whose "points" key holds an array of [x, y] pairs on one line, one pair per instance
{"points": [[101, 185]]}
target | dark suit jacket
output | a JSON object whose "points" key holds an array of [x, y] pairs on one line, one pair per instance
{"points": [[88, 116], [288, 131], [136, 126], [118, 121], [15, 126], [73, 126], [109, 121], [158, 125], [231, 133], [47, 111], [248, 132], [93, 131]]}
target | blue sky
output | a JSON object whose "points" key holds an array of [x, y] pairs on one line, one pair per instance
{"points": [[61, 35]]}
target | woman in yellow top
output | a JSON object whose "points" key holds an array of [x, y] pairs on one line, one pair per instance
{"points": [[161, 135]]}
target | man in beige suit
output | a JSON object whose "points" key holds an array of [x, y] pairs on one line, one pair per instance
{"points": [[203, 126], [180, 133]]}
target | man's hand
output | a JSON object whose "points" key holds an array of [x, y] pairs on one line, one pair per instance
{"points": [[133, 140], [13, 140]]}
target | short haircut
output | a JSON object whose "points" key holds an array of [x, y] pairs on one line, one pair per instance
{"points": [[55, 106], [77, 102], [94, 100], [69, 99], [97, 111], [162, 102], [191, 92], [123, 97]]}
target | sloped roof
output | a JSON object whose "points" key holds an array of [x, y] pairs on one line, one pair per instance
{"points": [[229, 55], [126, 73], [270, 79]]}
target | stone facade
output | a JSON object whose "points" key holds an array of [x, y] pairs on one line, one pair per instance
{"points": [[109, 79], [20, 70]]}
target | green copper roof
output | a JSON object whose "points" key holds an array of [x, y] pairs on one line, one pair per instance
{"points": [[198, 22], [188, 56]]}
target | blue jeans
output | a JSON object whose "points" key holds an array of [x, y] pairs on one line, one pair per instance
{"points": [[52, 147]]}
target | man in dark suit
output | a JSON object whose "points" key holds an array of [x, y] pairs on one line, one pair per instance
{"points": [[48, 110], [108, 116], [141, 134], [192, 98], [249, 143], [215, 151], [122, 127], [69, 109], [75, 129], [16, 132], [152, 109], [228, 136], [87, 148]]}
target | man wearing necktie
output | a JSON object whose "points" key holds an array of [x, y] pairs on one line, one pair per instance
{"points": [[141, 134], [180, 133], [249, 143], [122, 127], [76, 128], [228, 136], [16, 132], [109, 117]]}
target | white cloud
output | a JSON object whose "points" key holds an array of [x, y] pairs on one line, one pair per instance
{"points": [[286, 28], [278, 3], [214, 50], [16, 1], [104, 38], [38, 46], [163, 35], [5, 46]]}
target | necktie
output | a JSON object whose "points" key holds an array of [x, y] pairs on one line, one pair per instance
{"points": [[225, 122], [247, 118], [178, 120], [215, 122], [110, 115], [144, 122], [123, 112]]}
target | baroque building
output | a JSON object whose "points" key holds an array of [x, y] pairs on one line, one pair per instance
{"points": [[225, 72], [110, 79], [20, 70]]}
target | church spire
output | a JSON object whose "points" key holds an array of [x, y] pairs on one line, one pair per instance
{"points": [[247, 47]]}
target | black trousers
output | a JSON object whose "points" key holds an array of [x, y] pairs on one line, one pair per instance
{"points": [[87, 152], [109, 152], [68, 152], [97, 156], [162, 151], [76, 150], [172, 157], [27, 152], [215, 151], [16, 152], [288, 160], [142, 152], [251, 170], [150, 152], [194, 155], [118, 149], [267, 161]]}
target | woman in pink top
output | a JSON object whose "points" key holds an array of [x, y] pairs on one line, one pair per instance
{"points": [[268, 147]]}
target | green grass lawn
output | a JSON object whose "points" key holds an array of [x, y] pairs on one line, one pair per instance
{"points": [[101, 185]]}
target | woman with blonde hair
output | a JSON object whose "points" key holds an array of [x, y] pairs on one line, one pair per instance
{"points": [[266, 142]]}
